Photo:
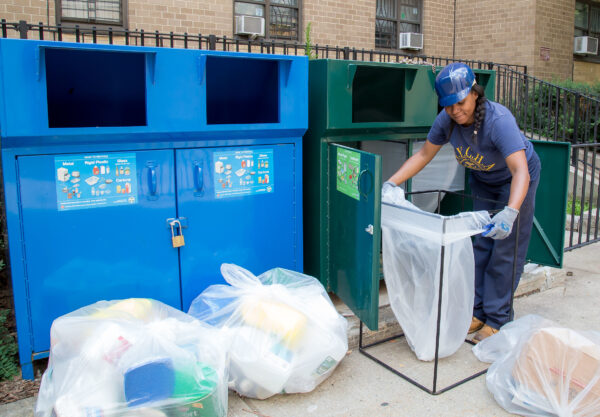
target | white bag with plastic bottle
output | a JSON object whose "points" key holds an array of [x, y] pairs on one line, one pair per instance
{"points": [[285, 334], [131, 358]]}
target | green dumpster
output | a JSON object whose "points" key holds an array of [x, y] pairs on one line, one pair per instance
{"points": [[351, 102], [365, 119]]}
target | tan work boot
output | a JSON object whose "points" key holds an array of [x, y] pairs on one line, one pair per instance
{"points": [[476, 324], [485, 332]]}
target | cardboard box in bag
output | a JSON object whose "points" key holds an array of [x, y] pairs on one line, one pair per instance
{"points": [[559, 361]]}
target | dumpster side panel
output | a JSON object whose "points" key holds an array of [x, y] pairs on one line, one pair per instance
{"points": [[548, 235], [315, 179]]}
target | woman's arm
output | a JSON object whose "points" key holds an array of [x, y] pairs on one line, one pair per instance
{"points": [[417, 162], [517, 164]]}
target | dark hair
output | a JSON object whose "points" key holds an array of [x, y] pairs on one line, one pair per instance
{"points": [[479, 109]]}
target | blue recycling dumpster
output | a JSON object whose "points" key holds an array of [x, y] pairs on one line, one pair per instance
{"points": [[137, 171]]}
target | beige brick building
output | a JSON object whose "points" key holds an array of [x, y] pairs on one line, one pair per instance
{"points": [[535, 33]]}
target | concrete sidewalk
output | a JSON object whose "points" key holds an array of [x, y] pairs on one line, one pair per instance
{"points": [[361, 388]]}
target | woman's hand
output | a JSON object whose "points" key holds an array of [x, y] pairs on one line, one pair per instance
{"points": [[501, 224]]}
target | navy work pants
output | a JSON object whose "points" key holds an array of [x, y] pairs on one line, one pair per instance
{"points": [[494, 259]]}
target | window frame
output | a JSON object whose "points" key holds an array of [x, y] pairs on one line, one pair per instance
{"points": [[398, 21], [267, 5], [586, 31], [86, 24]]}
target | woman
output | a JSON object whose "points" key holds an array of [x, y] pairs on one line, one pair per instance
{"points": [[503, 168]]}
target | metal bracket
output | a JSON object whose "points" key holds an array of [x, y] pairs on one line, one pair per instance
{"points": [[182, 220]]}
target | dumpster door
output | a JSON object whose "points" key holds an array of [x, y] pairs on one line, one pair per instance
{"points": [[354, 222], [240, 208], [548, 234], [88, 220]]}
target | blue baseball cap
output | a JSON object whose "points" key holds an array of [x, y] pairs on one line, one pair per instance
{"points": [[454, 83]]}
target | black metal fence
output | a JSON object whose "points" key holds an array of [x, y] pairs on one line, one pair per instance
{"points": [[24, 30], [544, 111]]}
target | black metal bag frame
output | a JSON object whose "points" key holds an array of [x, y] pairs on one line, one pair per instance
{"points": [[434, 390]]}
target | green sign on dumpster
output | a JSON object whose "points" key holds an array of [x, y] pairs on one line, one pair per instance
{"points": [[348, 167]]}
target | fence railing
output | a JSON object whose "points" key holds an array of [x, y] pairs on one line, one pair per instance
{"points": [[25, 30], [543, 111]]}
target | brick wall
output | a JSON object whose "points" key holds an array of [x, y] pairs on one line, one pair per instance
{"points": [[438, 23], [33, 11], [555, 20], [496, 30], [201, 16], [586, 72], [342, 23]]}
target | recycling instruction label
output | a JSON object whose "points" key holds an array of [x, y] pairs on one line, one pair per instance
{"points": [[348, 168], [243, 172], [92, 181]]}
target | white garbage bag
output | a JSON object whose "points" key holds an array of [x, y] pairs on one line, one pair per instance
{"points": [[286, 335], [132, 357], [542, 369], [413, 241]]}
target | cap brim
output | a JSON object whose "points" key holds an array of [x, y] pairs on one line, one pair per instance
{"points": [[454, 98]]}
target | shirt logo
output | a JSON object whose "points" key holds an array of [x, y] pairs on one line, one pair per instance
{"points": [[471, 161]]}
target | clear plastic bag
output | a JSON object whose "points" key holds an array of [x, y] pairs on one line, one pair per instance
{"points": [[285, 334], [412, 244], [131, 358], [542, 369]]}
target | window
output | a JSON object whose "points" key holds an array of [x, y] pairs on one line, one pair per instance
{"points": [[282, 16], [394, 17], [587, 18], [92, 12]]}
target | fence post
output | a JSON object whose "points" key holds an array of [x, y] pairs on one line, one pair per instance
{"points": [[576, 117], [41, 30], [346, 53], [212, 42], [4, 28], [575, 131], [22, 27]]}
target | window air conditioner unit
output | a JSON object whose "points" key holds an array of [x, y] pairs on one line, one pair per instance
{"points": [[408, 40], [586, 45], [249, 25]]}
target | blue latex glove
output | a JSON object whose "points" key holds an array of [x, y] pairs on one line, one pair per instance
{"points": [[501, 224]]}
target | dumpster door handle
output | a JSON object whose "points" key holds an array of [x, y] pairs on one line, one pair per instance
{"points": [[369, 229], [198, 178], [152, 180], [360, 187]]}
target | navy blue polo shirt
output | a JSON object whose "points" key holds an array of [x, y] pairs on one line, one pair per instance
{"points": [[498, 137]]}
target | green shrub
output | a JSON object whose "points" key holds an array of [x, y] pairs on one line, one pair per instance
{"points": [[8, 350], [577, 209]]}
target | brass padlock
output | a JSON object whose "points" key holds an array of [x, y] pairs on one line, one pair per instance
{"points": [[178, 241]]}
